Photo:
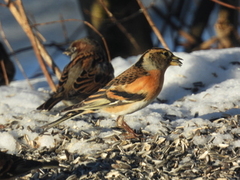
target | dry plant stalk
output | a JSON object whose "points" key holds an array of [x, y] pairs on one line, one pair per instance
{"points": [[226, 35], [2, 65], [44, 52], [181, 32], [64, 28], [103, 39], [18, 12], [120, 26], [85, 22], [226, 5], [15, 58], [48, 59], [207, 44], [153, 26]]}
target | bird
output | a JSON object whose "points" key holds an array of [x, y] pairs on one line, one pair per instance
{"points": [[88, 70], [12, 166], [130, 91]]}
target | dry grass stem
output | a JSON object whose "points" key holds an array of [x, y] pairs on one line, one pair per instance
{"points": [[5, 76], [120, 26], [180, 31], [64, 28], [208, 43], [48, 59], [86, 23], [226, 4], [18, 12], [15, 58], [153, 26]]}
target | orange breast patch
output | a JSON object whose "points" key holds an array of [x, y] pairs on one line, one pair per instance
{"points": [[150, 85]]}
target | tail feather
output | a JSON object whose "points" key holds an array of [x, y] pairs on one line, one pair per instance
{"points": [[60, 120], [48, 105]]}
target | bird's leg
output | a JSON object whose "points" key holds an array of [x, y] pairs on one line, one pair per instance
{"points": [[122, 124]]}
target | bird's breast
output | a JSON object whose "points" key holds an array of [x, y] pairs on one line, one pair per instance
{"points": [[150, 85]]}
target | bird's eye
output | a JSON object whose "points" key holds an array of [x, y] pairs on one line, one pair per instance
{"points": [[73, 49], [166, 53]]}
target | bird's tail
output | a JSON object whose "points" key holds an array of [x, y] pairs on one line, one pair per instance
{"points": [[49, 104], [60, 120]]}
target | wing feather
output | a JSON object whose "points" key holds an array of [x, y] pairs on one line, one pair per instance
{"points": [[111, 94]]}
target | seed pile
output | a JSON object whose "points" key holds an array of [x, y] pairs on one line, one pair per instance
{"points": [[169, 155]]}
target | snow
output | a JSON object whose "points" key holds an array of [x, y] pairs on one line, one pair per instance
{"points": [[205, 87], [8, 142]]}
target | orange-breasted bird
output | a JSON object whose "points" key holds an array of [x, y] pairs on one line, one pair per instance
{"points": [[132, 90]]}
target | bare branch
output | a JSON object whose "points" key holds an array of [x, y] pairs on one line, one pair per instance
{"points": [[86, 23], [15, 58], [53, 44], [226, 4], [124, 19], [5, 76], [103, 39], [4, 5], [18, 12], [153, 26], [120, 26], [64, 29], [183, 33]]}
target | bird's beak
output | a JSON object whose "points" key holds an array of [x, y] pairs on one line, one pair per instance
{"points": [[175, 61], [69, 51]]}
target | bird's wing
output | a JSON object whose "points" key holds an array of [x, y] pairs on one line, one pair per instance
{"points": [[94, 76], [115, 92], [85, 75]]}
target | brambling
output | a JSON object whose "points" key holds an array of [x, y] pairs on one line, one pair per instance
{"points": [[132, 90], [12, 166], [88, 71]]}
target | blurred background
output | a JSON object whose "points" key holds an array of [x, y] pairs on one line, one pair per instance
{"points": [[186, 26]]}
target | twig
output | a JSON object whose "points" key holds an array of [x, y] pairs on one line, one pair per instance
{"points": [[124, 19], [2, 4], [36, 32], [120, 26], [64, 29], [44, 53], [86, 23], [226, 4], [103, 39], [153, 26], [15, 58], [53, 44], [207, 44], [183, 33], [49, 60], [18, 12], [2, 65]]}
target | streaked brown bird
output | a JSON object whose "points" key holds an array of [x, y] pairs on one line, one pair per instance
{"points": [[88, 71], [131, 91], [12, 166]]}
